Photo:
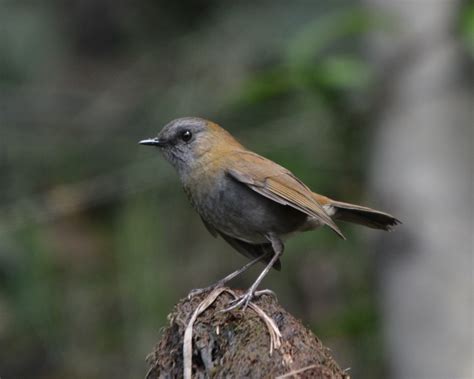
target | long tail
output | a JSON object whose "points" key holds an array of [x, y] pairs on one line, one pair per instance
{"points": [[357, 214]]}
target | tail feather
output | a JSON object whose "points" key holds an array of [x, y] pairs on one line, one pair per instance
{"points": [[363, 216], [357, 214]]}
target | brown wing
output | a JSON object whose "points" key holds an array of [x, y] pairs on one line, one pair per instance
{"points": [[278, 184]]}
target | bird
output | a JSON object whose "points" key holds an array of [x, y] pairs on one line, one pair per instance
{"points": [[251, 202]]}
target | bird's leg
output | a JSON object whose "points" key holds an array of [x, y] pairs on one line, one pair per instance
{"points": [[228, 278], [277, 246]]}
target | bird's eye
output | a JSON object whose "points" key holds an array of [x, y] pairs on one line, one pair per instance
{"points": [[186, 136]]}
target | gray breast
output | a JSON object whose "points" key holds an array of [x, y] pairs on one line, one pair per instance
{"points": [[236, 210]]}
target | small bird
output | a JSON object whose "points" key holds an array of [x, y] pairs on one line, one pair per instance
{"points": [[250, 201]]}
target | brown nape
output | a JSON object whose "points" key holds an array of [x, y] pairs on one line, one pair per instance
{"points": [[364, 216]]}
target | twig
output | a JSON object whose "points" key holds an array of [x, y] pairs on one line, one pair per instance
{"points": [[295, 372], [275, 334], [188, 333]]}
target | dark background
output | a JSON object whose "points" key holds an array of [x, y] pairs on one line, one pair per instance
{"points": [[97, 239]]}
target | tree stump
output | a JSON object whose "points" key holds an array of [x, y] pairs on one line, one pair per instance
{"points": [[238, 343]]}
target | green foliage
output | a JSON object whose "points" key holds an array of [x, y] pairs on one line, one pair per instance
{"points": [[312, 62], [467, 28]]}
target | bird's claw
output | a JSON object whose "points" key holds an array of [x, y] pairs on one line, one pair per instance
{"points": [[246, 298], [266, 292], [195, 292], [241, 300], [199, 291]]}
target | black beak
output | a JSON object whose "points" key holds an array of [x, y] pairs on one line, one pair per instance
{"points": [[152, 142]]}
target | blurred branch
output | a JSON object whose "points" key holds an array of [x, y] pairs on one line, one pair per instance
{"points": [[66, 199]]}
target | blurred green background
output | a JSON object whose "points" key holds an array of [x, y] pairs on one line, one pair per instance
{"points": [[97, 239]]}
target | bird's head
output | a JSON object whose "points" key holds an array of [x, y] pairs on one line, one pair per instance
{"points": [[191, 141]]}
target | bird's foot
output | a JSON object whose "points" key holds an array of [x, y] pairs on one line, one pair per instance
{"points": [[265, 292], [243, 300], [246, 298], [199, 291]]}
